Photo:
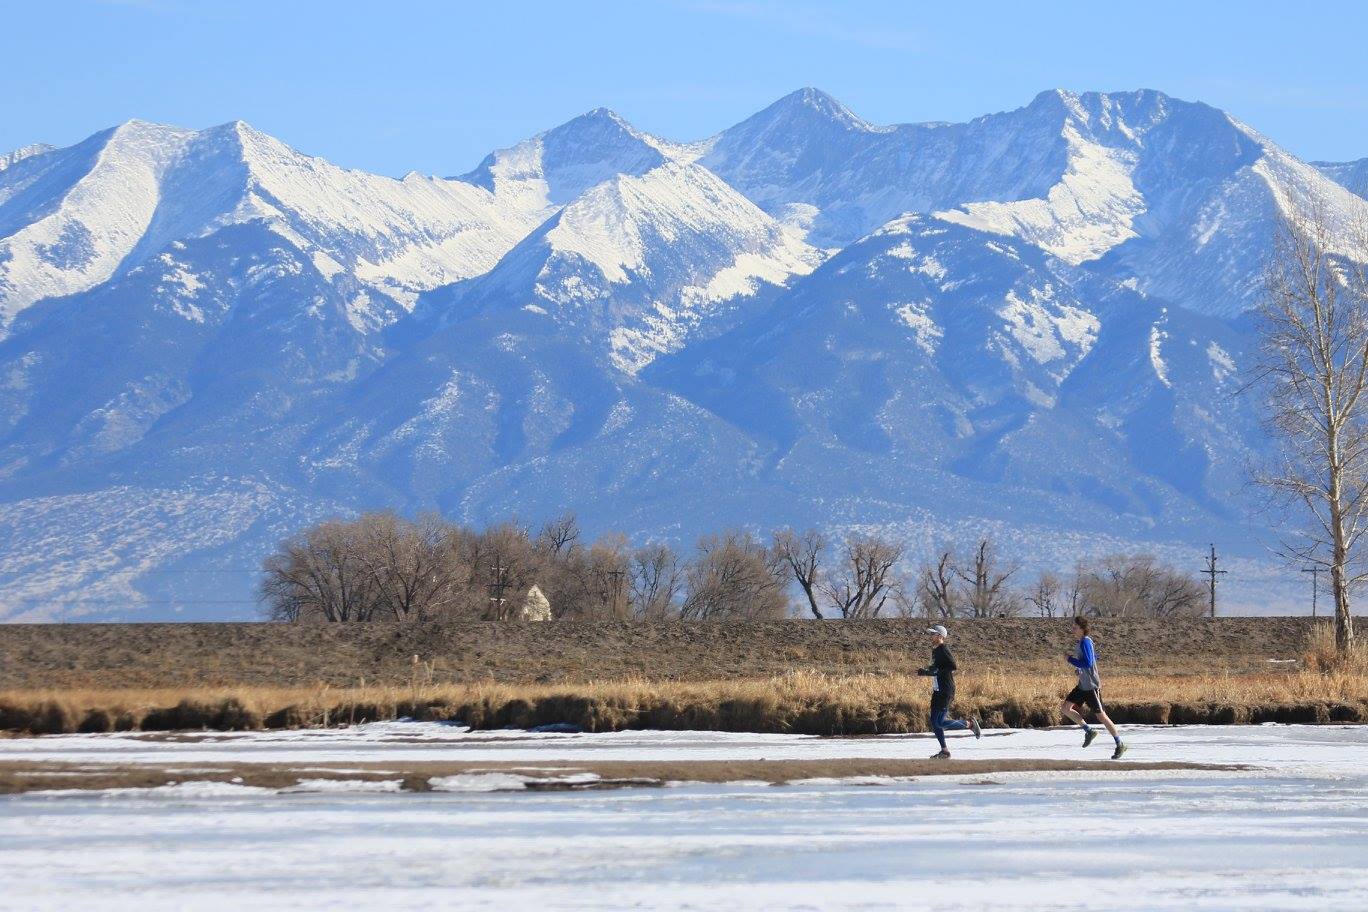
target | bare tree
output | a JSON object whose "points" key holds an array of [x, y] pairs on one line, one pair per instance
{"points": [[1314, 365], [502, 565], [1045, 596], [802, 552], [864, 580], [559, 536], [735, 576], [1137, 585], [406, 563], [319, 574], [607, 565], [655, 581], [986, 575], [936, 587]]}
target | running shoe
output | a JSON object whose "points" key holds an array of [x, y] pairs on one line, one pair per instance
{"points": [[1120, 749], [943, 755], [1088, 736]]}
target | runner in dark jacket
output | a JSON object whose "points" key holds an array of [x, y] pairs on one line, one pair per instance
{"points": [[942, 669]]}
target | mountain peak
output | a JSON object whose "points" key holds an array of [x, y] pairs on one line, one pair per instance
{"points": [[10, 159], [809, 102]]}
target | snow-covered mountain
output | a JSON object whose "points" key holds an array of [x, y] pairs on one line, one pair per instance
{"points": [[1172, 196], [1031, 324], [72, 219], [1353, 175]]}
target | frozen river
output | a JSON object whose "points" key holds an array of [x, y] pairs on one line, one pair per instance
{"points": [[1290, 834]]}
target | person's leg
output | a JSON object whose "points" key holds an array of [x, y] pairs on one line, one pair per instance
{"points": [[1100, 714], [938, 710], [1070, 710]]}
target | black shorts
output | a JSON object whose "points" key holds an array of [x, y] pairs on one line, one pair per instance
{"points": [[1089, 698]]}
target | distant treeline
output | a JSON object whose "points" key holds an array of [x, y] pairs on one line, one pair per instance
{"points": [[383, 567]]}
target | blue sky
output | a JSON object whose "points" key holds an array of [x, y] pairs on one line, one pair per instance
{"points": [[434, 86]]}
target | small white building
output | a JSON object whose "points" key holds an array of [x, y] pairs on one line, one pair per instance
{"points": [[536, 606]]}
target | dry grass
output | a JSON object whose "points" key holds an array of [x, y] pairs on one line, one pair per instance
{"points": [[1322, 689], [799, 702], [1320, 653]]}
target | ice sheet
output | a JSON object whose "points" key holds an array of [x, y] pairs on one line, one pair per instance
{"points": [[1291, 835]]}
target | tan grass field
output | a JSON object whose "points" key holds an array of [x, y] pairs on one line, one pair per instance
{"points": [[800, 702], [1312, 689]]}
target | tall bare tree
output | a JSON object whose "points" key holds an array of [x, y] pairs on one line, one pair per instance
{"points": [[864, 580], [1044, 596], [986, 576], [319, 574], [1314, 364], [735, 576], [409, 572], [655, 581], [559, 536], [936, 586], [1138, 585], [802, 552]]}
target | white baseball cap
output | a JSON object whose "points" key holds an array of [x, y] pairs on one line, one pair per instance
{"points": [[938, 630]]}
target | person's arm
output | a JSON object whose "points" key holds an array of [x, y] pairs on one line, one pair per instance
{"points": [[1085, 649], [929, 670]]}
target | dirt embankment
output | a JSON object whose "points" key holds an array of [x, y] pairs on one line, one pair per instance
{"points": [[185, 655]]}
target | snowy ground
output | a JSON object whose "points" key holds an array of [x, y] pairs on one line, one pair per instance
{"points": [[1290, 834]]}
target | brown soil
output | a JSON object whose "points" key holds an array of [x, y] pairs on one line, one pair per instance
{"points": [[179, 655], [18, 777]]}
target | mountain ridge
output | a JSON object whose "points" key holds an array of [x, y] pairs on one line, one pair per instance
{"points": [[1029, 323]]}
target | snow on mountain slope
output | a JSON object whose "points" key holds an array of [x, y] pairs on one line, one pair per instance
{"points": [[541, 174], [1175, 195], [1352, 175], [932, 360], [1028, 324], [638, 265], [23, 152], [72, 218]]}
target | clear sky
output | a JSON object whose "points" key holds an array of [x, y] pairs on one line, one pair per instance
{"points": [[433, 86]]}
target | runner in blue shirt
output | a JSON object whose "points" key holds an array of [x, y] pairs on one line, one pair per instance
{"points": [[1089, 690]]}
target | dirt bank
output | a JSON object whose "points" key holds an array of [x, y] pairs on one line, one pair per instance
{"points": [[179, 655]]}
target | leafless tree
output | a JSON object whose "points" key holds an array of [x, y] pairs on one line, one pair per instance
{"points": [[501, 564], [1314, 368], [936, 587], [802, 552], [864, 580], [559, 536], [1045, 596], [410, 575], [608, 569], [1137, 585], [735, 576], [986, 575], [319, 574], [655, 581]]}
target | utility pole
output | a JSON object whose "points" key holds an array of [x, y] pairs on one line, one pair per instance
{"points": [[1212, 572], [497, 586], [1315, 585], [615, 590]]}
